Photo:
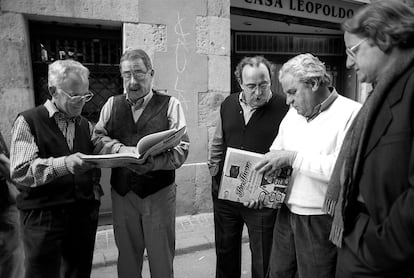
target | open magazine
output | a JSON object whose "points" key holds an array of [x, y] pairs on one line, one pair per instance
{"points": [[149, 145], [241, 183]]}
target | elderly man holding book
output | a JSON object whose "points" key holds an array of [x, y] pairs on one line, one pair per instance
{"points": [[143, 195]]}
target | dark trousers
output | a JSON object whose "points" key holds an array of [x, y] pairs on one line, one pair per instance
{"points": [[59, 241], [229, 218], [301, 246], [11, 246]]}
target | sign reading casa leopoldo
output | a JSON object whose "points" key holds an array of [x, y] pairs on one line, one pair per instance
{"points": [[325, 10]]}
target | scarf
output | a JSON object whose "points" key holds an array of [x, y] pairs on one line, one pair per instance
{"points": [[341, 185]]}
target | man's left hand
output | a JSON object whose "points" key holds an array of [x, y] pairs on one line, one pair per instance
{"points": [[141, 169]]}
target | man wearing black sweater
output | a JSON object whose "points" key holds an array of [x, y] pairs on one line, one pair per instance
{"points": [[248, 120]]}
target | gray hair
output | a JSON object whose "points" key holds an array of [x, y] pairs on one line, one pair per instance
{"points": [[133, 54], [253, 62], [388, 24], [60, 69], [307, 68]]}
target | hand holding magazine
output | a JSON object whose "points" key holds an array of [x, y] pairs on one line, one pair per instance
{"points": [[150, 145], [241, 183]]}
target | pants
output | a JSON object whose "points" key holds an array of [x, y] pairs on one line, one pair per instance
{"points": [[301, 246], [11, 245], [229, 218], [59, 241], [147, 223]]}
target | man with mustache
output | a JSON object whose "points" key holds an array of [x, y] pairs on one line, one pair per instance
{"points": [[143, 196]]}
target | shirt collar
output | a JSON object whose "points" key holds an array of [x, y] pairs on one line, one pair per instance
{"points": [[53, 111], [142, 102], [324, 104]]}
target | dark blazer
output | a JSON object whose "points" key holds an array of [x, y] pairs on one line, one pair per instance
{"points": [[386, 182]]}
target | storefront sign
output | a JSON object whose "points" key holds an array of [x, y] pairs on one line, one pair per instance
{"points": [[325, 10]]}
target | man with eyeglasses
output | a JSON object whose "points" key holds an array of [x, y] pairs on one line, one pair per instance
{"points": [[248, 120], [59, 193], [143, 196], [372, 187], [309, 140]]}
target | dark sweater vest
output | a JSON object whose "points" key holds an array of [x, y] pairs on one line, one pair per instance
{"points": [[51, 143], [261, 130], [121, 126]]}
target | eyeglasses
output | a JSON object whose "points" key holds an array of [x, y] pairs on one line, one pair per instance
{"points": [[352, 51], [250, 88], [87, 97], [138, 75]]}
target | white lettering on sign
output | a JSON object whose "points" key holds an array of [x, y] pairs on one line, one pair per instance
{"points": [[329, 10]]}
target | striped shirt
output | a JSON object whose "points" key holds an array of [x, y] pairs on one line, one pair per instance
{"points": [[27, 168]]}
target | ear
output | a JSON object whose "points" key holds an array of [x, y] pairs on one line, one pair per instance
{"points": [[384, 42], [314, 85]]}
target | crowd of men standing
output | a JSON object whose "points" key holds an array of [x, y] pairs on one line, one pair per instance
{"points": [[348, 211]]}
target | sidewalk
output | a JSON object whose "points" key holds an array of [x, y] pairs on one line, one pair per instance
{"points": [[193, 233]]}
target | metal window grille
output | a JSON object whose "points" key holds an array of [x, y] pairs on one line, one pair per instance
{"points": [[271, 43]]}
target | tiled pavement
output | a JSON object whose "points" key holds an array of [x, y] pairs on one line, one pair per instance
{"points": [[193, 233]]}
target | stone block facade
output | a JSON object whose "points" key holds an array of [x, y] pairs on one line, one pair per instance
{"points": [[188, 40]]}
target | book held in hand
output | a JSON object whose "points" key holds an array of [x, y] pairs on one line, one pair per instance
{"points": [[241, 183], [149, 145]]}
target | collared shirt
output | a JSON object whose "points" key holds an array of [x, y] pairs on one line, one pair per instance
{"points": [[138, 107], [247, 109], [27, 168], [176, 120], [323, 105], [217, 145]]}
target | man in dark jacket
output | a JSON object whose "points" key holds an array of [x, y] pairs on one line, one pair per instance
{"points": [[248, 120], [59, 193], [11, 255], [373, 180]]}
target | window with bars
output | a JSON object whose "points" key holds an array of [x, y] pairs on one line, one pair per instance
{"points": [[96, 48], [270, 43]]}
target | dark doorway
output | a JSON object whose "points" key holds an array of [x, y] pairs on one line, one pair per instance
{"points": [[97, 48]]}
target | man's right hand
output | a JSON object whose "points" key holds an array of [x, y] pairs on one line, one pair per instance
{"points": [[126, 149], [76, 165]]}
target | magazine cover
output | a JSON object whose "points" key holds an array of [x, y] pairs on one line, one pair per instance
{"points": [[241, 183]]}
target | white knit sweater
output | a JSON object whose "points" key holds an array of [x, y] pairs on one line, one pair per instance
{"points": [[317, 144]]}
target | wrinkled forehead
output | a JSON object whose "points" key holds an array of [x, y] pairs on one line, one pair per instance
{"points": [[133, 64], [255, 73]]}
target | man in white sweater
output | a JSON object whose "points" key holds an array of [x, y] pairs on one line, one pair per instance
{"points": [[310, 137]]}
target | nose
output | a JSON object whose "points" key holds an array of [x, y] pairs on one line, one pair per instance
{"points": [[133, 80], [350, 62]]}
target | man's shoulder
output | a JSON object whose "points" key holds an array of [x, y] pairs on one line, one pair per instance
{"points": [[38, 110], [233, 97]]}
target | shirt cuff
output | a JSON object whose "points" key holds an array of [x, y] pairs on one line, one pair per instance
{"points": [[59, 166], [297, 161]]}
